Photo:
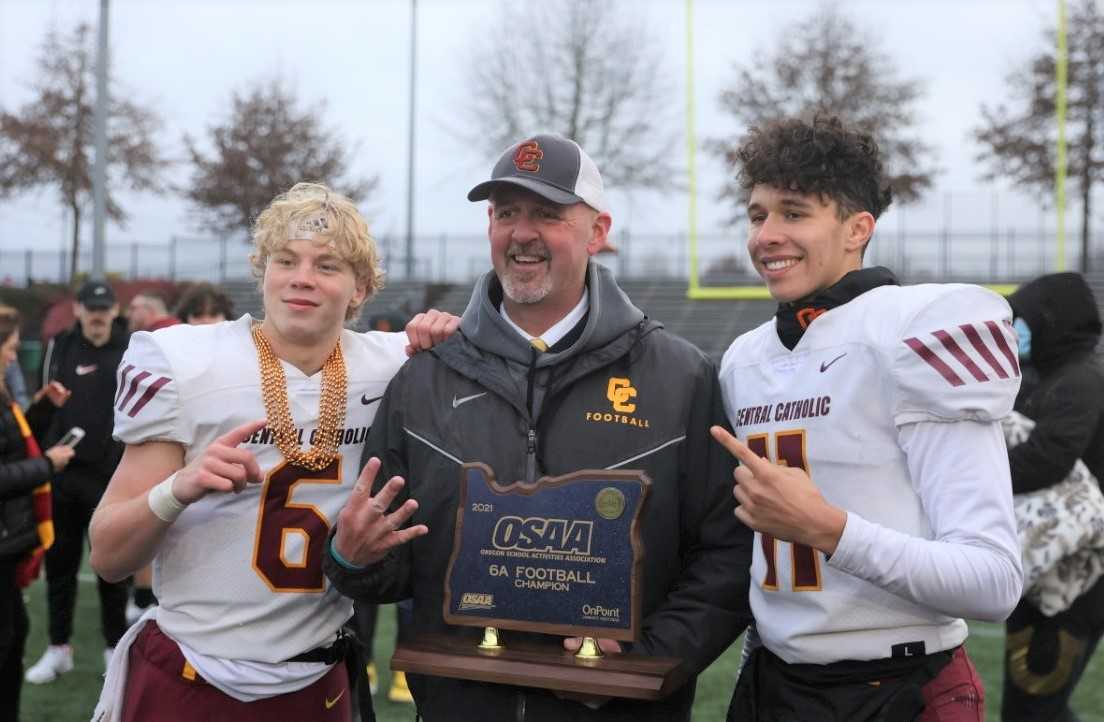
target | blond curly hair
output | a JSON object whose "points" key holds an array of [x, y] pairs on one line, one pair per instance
{"points": [[314, 212]]}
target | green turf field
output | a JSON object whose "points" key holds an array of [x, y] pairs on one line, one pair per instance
{"points": [[72, 697]]}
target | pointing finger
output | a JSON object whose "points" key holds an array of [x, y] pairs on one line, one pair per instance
{"points": [[739, 449], [234, 437], [240, 457]]}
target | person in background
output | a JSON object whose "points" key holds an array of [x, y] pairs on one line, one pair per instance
{"points": [[16, 383], [83, 359], [204, 303], [149, 311], [25, 526], [1059, 328], [13, 377]]}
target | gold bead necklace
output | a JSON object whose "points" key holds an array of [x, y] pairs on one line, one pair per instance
{"points": [[331, 407]]}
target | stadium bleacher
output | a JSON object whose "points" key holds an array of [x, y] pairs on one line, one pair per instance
{"points": [[711, 325]]}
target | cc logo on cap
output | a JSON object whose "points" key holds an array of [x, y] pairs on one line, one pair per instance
{"points": [[528, 156]]}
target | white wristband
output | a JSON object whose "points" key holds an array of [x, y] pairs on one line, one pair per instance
{"points": [[164, 505]]}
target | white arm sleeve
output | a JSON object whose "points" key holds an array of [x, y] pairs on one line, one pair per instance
{"points": [[971, 567]]}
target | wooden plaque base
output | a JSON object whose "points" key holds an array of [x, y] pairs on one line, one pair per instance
{"points": [[532, 664]]}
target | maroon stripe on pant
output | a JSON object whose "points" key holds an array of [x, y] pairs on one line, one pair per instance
{"points": [[157, 690]]}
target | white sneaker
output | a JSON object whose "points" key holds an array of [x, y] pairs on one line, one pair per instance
{"points": [[108, 651], [55, 661]]}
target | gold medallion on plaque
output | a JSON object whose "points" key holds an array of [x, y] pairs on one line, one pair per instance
{"points": [[610, 503]]}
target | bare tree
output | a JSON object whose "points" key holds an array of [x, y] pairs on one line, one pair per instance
{"points": [[587, 69], [265, 145], [1019, 142], [826, 64], [50, 141]]}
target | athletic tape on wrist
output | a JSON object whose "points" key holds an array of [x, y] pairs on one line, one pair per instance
{"points": [[163, 503]]}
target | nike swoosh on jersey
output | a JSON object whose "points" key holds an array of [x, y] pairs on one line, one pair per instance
{"points": [[365, 400], [465, 399], [825, 364], [331, 702], [85, 370]]}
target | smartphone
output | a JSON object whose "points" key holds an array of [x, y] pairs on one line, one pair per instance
{"points": [[72, 437]]}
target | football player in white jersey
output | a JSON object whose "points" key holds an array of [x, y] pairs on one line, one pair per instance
{"points": [[232, 509], [873, 467]]}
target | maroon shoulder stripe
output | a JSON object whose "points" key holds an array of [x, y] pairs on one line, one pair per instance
{"points": [[963, 358], [145, 398], [123, 373], [934, 361], [981, 348], [1002, 344], [133, 389]]}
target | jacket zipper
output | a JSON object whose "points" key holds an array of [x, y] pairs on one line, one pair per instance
{"points": [[531, 438], [531, 456]]}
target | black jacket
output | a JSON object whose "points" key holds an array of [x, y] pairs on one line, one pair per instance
{"points": [[19, 475], [1067, 403], [697, 555], [90, 373]]}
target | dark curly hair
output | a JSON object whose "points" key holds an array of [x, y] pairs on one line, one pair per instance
{"points": [[822, 157], [204, 299]]}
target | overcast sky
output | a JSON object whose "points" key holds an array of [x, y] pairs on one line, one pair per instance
{"points": [[183, 58]]}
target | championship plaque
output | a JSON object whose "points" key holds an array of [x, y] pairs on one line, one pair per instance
{"points": [[562, 556]]}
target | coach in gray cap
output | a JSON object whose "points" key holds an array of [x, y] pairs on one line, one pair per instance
{"points": [[553, 371]]}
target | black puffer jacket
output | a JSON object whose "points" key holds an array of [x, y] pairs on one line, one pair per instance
{"points": [[1067, 403], [19, 475], [469, 399]]}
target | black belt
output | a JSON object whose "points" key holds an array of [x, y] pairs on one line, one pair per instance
{"points": [[327, 655]]}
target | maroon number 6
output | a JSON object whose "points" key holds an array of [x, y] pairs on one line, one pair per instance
{"points": [[280, 519]]}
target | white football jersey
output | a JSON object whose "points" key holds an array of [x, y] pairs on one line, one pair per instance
{"points": [[239, 576], [834, 406]]}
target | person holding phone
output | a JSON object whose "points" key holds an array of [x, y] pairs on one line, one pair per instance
{"points": [[83, 359], [72, 437], [25, 471]]}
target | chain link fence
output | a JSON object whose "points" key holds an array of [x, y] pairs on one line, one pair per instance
{"points": [[985, 256]]}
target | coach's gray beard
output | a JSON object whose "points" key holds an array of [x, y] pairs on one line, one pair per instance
{"points": [[526, 292]]}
